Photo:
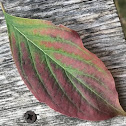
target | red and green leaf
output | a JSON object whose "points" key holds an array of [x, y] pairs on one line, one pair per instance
{"points": [[60, 72]]}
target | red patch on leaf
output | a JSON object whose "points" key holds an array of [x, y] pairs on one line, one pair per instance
{"points": [[61, 32]]}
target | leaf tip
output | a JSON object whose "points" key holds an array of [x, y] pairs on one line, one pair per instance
{"points": [[2, 7]]}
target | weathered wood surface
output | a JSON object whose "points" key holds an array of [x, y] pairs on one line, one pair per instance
{"points": [[97, 23]]}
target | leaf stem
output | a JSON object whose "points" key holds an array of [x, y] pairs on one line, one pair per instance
{"points": [[2, 7]]}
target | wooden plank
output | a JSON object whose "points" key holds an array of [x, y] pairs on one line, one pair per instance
{"points": [[97, 23]]}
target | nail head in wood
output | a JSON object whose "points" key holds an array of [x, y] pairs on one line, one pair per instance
{"points": [[30, 117]]}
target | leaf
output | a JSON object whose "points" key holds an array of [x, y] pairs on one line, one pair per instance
{"points": [[60, 72]]}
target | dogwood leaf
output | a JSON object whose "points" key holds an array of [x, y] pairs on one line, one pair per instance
{"points": [[60, 71]]}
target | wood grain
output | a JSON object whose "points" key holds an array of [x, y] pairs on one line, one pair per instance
{"points": [[97, 23]]}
